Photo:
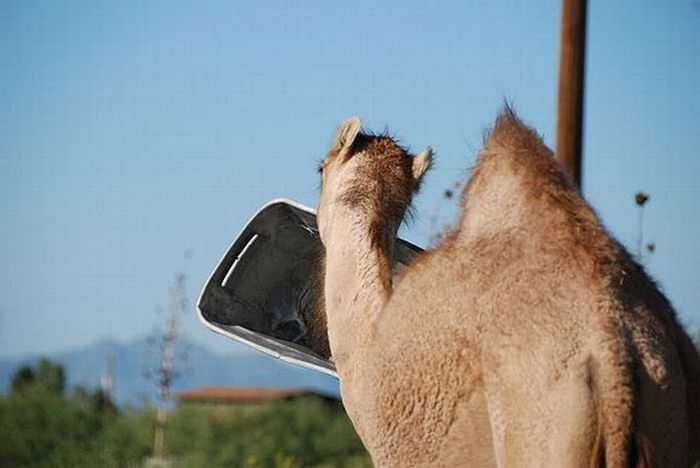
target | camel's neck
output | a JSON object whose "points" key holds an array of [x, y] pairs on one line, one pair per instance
{"points": [[357, 286]]}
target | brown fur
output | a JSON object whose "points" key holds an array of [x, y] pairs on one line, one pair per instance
{"points": [[317, 327], [528, 319], [388, 166]]}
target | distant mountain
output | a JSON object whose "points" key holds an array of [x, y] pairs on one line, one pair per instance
{"points": [[199, 367]]}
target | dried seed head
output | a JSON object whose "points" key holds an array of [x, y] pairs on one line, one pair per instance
{"points": [[641, 198]]}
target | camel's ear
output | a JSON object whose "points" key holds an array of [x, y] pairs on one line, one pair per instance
{"points": [[345, 137], [421, 163]]}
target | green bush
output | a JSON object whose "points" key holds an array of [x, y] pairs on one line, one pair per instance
{"points": [[303, 432], [41, 426], [44, 429]]}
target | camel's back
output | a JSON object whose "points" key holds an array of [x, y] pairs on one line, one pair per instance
{"points": [[486, 324], [529, 324], [531, 301]]}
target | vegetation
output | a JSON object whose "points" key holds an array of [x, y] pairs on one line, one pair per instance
{"points": [[165, 373], [42, 425], [641, 199], [303, 432]]}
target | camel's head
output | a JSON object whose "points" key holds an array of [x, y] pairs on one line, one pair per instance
{"points": [[370, 177]]}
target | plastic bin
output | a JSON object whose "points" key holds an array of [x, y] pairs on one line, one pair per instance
{"points": [[262, 291]]}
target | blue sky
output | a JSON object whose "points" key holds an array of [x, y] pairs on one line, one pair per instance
{"points": [[133, 131]]}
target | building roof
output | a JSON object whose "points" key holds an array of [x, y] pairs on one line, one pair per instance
{"points": [[237, 394]]}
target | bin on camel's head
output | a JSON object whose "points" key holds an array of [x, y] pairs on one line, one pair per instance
{"points": [[263, 291]]}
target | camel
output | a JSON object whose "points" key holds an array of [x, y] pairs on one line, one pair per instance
{"points": [[528, 337]]}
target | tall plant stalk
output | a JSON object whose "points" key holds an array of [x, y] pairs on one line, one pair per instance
{"points": [[164, 374]]}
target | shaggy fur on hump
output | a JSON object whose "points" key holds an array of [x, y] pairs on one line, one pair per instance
{"points": [[516, 164], [519, 173]]}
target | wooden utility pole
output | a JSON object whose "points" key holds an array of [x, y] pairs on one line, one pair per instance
{"points": [[572, 54]]}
